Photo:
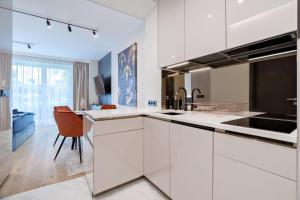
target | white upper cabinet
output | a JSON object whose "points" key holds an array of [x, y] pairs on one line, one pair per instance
{"points": [[205, 29], [170, 32], [252, 20]]}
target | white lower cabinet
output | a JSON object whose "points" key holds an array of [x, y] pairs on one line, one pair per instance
{"points": [[234, 180], [157, 153], [118, 158], [191, 163]]}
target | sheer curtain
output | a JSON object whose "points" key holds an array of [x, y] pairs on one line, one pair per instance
{"points": [[40, 84]]}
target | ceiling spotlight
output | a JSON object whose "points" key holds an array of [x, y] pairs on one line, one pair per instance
{"points": [[240, 1], [48, 24], [29, 47], [95, 34], [69, 28]]}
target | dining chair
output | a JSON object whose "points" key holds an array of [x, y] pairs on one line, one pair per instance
{"points": [[60, 108], [69, 125]]}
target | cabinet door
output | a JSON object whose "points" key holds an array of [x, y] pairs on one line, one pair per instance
{"points": [[170, 32], [118, 158], [235, 181], [205, 30], [191, 163], [252, 20], [157, 153]]}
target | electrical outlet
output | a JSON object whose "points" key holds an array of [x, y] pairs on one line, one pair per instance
{"points": [[152, 103]]}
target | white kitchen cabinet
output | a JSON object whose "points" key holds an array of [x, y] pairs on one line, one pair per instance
{"points": [[157, 153], [118, 158], [191, 163], [170, 32], [258, 154], [252, 20], [235, 180], [205, 30]]}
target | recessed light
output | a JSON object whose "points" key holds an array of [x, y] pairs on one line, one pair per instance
{"points": [[178, 65], [200, 69], [209, 15], [240, 1]]}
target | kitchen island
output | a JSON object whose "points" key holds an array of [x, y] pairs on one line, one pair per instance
{"points": [[179, 153]]}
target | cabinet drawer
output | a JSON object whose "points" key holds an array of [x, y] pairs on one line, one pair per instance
{"points": [[237, 181], [118, 125], [270, 157]]}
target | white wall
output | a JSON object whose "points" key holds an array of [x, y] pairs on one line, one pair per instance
{"points": [[151, 71], [93, 71], [148, 73]]}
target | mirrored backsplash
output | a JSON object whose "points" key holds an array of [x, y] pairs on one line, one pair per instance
{"points": [[265, 86]]}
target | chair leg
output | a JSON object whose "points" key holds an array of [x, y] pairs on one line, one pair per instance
{"points": [[60, 148], [73, 143], [56, 140], [79, 143]]}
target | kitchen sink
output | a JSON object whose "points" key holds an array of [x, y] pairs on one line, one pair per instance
{"points": [[172, 113]]}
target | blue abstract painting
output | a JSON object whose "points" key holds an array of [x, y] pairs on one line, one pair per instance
{"points": [[127, 76]]}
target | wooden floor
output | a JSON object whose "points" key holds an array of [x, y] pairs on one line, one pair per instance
{"points": [[33, 164]]}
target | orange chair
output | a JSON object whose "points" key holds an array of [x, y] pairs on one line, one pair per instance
{"points": [[69, 125], [108, 107], [60, 108]]}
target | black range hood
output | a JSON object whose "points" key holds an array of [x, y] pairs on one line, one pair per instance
{"points": [[275, 47]]}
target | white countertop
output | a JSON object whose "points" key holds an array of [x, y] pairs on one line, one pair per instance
{"points": [[209, 119]]}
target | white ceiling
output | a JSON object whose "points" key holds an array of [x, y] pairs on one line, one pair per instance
{"points": [[114, 27], [137, 8]]}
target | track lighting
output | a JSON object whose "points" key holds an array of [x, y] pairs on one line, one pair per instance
{"points": [[51, 20], [69, 28], [29, 47], [27, 44], [48, 24], [95, 34]]}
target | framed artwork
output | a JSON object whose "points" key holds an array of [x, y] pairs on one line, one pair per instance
{"points": [[127, 76]]}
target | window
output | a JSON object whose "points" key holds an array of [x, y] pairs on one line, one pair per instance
{"points": [[39, 85]]}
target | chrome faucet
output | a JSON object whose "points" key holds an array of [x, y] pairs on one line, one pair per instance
{"points": [[199, 96], [185, 97]]}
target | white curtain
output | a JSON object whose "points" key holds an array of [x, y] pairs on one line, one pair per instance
{"points": [[40, 84], [5, 75], [81, 85]]}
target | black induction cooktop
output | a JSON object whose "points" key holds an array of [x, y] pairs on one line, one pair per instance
{"points": [[277, 125], [278, 117]]}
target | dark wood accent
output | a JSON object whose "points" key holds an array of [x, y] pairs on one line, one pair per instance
{"points": [[271, 83]]}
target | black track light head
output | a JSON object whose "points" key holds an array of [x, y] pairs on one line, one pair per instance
{"points": [[48, 24], [69, 28], [95, 34], [29, 46]]}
